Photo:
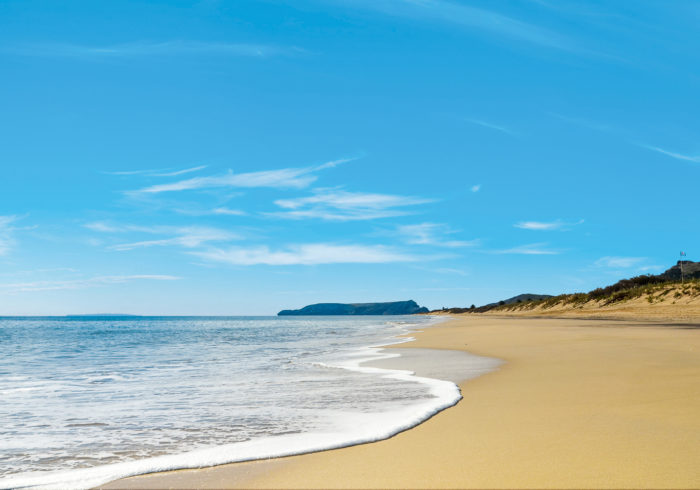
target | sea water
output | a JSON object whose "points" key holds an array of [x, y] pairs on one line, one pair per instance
{"points": [[84, 401]]}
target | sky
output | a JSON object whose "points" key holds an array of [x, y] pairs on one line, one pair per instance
{"points": [[243, 157]]}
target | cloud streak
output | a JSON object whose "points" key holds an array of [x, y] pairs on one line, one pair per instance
{"points": [[149, 49], [607, 128], [545, 225], [181, 172], [220, 211], [157, 173], [672, 154], [81, 283], [529, 249], [619, 262], [179, 236], [489, 125], [338, 205], [228, 212], [306, 254], [102, 227], [432, 234], [472, 18], [7, 233], [291, 178]]}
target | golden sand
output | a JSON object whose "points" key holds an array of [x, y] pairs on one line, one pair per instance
{"points": [[578, 404], [676, 302]]}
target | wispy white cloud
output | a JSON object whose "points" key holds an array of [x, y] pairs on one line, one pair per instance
{"points": [[475, 188], [495, 127], [333, 163], [157, 173], [619, 262], [220, 211], [608, 128], [144, 49], [295, 178], [432, 234], [529, 249], [338, 205], [672, 154], [228, 212], [81, 283], [45, 270], [131, 172], [292, 178], [180, 172], [546, 225], [104, 227], [306, 254], [473, 18], [181, 236], [7, 233], [187, 237], [579, 10], [537, 225], [7, 220]]}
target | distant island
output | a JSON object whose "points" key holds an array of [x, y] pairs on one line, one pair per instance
{"points": [[393, 308], [91, 315]]}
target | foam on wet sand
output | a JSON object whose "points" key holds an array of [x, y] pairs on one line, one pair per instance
{"points": [[578, 403]]}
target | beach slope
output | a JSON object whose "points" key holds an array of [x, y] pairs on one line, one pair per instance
{"points": [[578, 404]]}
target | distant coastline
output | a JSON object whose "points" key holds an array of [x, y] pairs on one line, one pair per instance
{"points": [[100, 315], [667, 296]]}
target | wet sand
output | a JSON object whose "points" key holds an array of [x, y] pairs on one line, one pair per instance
{"points": [[578, 404]]}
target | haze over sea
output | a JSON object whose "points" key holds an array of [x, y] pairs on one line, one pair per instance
{"points": [[84, 392]]}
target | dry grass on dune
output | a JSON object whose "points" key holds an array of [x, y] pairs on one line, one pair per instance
{"points": [[676, 301]]}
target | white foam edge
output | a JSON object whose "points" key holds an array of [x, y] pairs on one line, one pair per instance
{"points": [[361, 428]]}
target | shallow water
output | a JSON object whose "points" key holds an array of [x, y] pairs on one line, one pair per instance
{"points": [[88, 400]]}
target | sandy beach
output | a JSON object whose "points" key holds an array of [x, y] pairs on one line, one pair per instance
{"points": [[578, 403]]}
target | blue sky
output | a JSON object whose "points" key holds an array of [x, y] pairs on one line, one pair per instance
{"points": [[241, 157]]}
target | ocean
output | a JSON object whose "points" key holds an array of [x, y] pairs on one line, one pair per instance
{"points": [[86, 400]]}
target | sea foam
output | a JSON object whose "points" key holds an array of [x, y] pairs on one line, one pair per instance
{"points": [[345, 426]]}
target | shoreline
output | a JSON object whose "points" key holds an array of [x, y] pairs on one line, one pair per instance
{"points": [[391, 360], [578, 404], [688, 318], [351, 426]]}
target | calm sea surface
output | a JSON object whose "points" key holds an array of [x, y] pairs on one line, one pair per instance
{"points": [[88, 392]]}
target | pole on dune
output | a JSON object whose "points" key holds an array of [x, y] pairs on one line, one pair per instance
{"points": [[680, 262]]}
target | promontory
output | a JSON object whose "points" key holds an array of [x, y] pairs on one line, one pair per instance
{"points": [[393, 308]]}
